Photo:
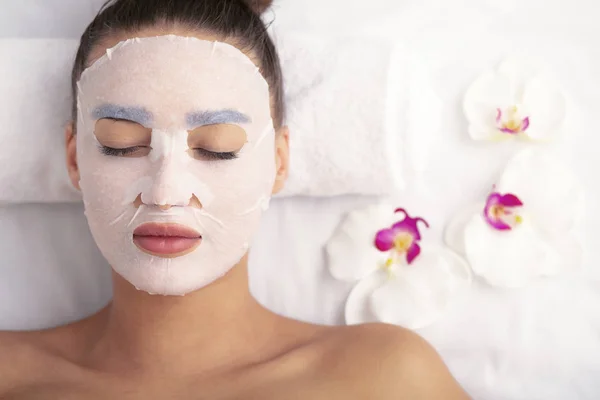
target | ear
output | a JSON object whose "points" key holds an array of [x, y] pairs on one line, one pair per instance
{"points": [[282, 158], [71, 146]]}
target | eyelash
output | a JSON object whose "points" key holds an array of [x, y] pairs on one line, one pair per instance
{"points": [[211, 155], [109, 151], [206, 154]]}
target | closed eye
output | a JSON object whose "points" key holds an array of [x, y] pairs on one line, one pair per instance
{"points": [[138, 151], [207, 155]]}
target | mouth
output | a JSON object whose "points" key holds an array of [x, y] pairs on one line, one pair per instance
{"points": [[166, 240]]}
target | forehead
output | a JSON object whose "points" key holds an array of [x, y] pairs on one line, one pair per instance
{"points": [[172, 76]]}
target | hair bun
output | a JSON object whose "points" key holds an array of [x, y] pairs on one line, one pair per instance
{"points": [[259, 6]]}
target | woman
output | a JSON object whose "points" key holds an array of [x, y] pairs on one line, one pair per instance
{"points": [[177, 143]]}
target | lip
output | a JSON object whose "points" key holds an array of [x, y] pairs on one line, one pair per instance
{"points": [[166, 240]]}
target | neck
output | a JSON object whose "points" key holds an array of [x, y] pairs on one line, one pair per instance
{"points": [[219, 326]]}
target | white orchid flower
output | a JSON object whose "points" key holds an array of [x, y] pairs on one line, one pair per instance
{"points": [[398, 280], [527, 228], [518, 100]]}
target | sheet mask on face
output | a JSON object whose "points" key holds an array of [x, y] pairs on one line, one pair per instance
{"points": [[175, 88]]}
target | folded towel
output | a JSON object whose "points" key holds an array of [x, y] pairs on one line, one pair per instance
{"points": [[352, 104], [350, 107], [34, 109]]}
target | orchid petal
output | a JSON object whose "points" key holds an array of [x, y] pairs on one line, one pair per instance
{"points": [[416, 297], [454, 235], [549, 189], [526, 123], [510, 200], [547, 109], [413, 252], [519, 71], [496, 223], [480, 132], [509, 131], [397, 302], [407, 226], [481, 104], [350, 253], [384, 241], [508, 259], [492, 200]]}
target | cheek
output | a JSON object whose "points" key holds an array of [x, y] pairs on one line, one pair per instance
{"points": [[244, 181], [105, 180]]}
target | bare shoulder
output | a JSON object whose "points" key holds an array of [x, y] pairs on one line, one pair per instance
{"points": [[381, 361]]}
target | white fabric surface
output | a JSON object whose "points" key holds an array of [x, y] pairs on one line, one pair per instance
{"points": [[50, 19], [539, 342], [50, 269], [35, 105], [351, 103]]}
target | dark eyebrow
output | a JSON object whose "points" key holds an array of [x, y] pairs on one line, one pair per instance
{"points": [[113, 111], [201, 118]]}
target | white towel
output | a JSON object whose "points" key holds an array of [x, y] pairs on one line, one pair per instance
{"points": [[349, 111], [34, 109], [354, 105]]}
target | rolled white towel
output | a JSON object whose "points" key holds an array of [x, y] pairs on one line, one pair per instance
{"points": [[352, 103], [350, 107], [35, 106]]}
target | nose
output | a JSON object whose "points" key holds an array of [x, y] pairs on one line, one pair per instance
{"points": [[194, 202], [170, 182], [168, 186]]}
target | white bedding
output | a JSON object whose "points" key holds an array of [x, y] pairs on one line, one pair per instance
{"points": [[540, 342]]}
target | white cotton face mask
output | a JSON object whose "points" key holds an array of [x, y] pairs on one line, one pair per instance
{"points": [[173, 85]]}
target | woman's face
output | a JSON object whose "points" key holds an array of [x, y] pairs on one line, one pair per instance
{"points": [[176, 157]]}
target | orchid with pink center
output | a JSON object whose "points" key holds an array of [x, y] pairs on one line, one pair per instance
{"points": [[401, 239], [510, 241], [519, 100], [501, 211], [386, 289], [511, 122]]}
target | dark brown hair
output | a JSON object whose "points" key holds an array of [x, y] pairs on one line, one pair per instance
{"points": [[235, 21]]}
